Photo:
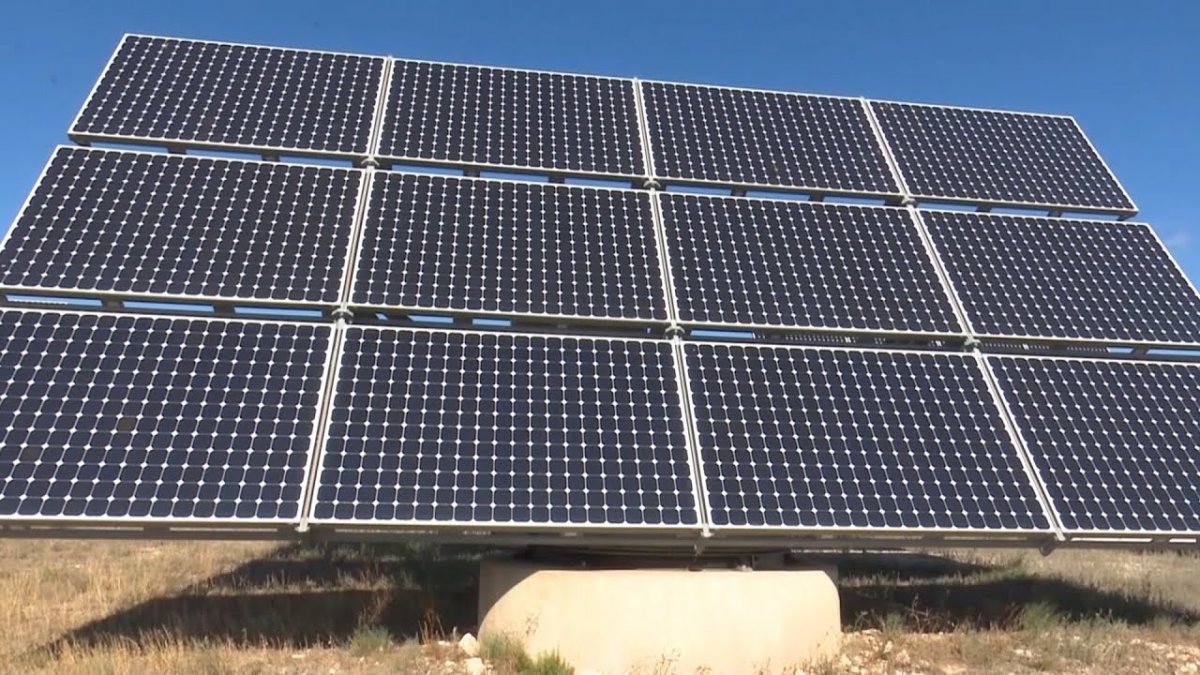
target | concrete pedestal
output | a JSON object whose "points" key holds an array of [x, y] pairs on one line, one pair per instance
{"points": [[664, 620]]}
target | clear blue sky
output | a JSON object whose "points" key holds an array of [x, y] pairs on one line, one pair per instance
{"points": [[1129, 71]]}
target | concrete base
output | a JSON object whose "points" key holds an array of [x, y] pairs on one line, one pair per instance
{"points": [[664, 620]]}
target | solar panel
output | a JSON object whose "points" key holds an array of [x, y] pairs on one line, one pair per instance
{"points": [[815, 438], [1045, 277], [187, 92], [137, 417], [1116, 443], [796, 264], [443, 243], [991, 156], [522, 119], [459, 428], [764, 138], [152, 224]]}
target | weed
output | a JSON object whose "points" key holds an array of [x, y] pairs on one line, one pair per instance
{"points": [[548, 663], [892, 627], [431, 629], [505, 652], [1038, 617], [370, 639]]}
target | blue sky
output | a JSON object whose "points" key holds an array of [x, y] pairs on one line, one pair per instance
{"points": [[1129, 71]]}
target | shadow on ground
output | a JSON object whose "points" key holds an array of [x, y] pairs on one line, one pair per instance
{"points": [[304, 596], [933, 594]]}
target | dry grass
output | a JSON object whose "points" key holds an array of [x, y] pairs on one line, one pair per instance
{"points": [[1019, 612], [202, 608]]}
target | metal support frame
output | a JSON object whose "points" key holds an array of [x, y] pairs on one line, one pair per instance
{"points": [[661, 541], [324, 418], [675, 334], [1018, 440], [906, 198], [643, 123], [943, 276], [379, 117]]}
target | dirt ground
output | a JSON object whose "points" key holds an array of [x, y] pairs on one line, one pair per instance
{"points": [[209, 607]]}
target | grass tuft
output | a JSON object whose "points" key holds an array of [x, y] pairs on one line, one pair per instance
{"points": [[370, 639], [549, 663], [1038, 617], [505, 653], [892, 627], [507, 656]]}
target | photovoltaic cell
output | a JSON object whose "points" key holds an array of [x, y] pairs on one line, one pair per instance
{"points": [[122, 222], [162, 90], [511, 118], [1116, 443], [998, 157], [435, 242], [118, 417], [741, 136], [798, 264], [835, 439], [1047, 277], [455, 428]]}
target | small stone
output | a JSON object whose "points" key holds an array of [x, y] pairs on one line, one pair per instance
{"points": [[469, 645], [1024, 653], [298, 655], [888, 647], [474, 666]]}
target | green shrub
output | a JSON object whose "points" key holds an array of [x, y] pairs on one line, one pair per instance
{"points": [[370, 639]]}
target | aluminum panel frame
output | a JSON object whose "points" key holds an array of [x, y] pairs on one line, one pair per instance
{"points": [[889, 198], [167, 298], [85, 139], [83, 523], [1049, 533], [1063, 340], [373, 178], [317, 524], [947, 290], [1084, 535], [1037, 206]]}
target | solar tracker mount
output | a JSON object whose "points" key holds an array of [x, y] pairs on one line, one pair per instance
{"points": [[640, 314]]}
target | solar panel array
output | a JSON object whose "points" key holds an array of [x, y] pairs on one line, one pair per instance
{"points": [[466, 428], [795, 264], [155, 418], [742, 136], [963, 154], [214, 94], [435, 242], [139, 223], [590, 401], [512, 118], [822, 438], [1047, 277], [1117, 444]]}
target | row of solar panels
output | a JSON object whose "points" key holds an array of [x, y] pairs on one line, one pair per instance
{"points": [[115, 419], [284, 101], [145, 225]]}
